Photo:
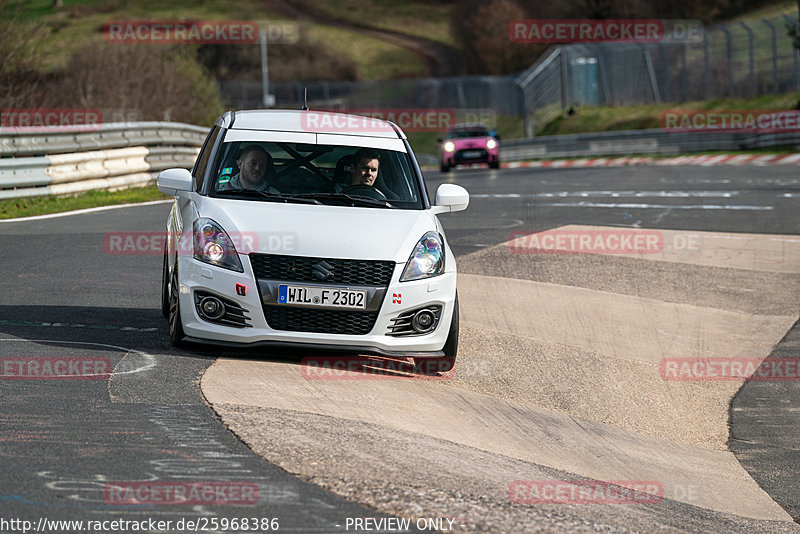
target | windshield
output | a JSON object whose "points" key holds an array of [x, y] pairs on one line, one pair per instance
{"points": [[467, 132], [317, 174]]}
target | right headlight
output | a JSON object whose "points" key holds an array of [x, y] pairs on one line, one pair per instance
{"points": [[212, 245], [427, 260], [449, 146]]}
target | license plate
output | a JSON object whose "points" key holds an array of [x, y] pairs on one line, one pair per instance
{"points": [[471, 154], [324, 297]]}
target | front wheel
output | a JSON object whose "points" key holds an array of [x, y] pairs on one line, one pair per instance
{"points": [[175, 324], [444, 167], [495, 164], [447, 362]]}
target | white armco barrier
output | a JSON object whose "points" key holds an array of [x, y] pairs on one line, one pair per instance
{"points": [[642, 142], [110, 156]]}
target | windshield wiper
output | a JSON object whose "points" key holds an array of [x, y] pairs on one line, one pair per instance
{"points": [[352, 198], [272, 197]]}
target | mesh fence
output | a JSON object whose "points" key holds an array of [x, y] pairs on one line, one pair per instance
{"points": [[734, 60], [468, 92], [739, 60]]}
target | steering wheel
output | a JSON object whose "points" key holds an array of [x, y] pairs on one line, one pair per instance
{"points": [[364, 190]]}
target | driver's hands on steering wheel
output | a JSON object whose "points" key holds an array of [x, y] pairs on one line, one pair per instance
{"points": [[369, 191]]}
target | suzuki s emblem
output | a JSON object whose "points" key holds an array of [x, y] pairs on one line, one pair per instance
{"points": [[322, 270]]}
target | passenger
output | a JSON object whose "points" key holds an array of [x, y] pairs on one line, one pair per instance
{"points": [[255, 171]]}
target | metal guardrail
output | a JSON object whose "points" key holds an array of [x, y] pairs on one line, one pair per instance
{"points": [[640, 142], [131, 154], [116, 155]]}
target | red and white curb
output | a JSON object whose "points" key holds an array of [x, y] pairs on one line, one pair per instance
{"points": [[721, 159]]}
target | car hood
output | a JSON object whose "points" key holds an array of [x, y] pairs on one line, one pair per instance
{"points": [[319, 231]]}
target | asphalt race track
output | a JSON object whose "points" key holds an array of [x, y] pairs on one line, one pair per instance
{"points": [[552, 384]]}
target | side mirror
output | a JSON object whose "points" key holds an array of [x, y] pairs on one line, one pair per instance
{"points": [[450, 198], [171, 181], [497, 136], [439, 140]]}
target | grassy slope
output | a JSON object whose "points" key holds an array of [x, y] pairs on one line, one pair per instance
{"points": [[786, 7], [417, 18], [606, 118], [81, 21], [376, 60]]}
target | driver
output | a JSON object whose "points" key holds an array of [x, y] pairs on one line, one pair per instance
{"points": [[253, 162], [365, 170]]}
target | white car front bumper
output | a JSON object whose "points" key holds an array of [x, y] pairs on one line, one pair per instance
{"points": [[399, 297]]}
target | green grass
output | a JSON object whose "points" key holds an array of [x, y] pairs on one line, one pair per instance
{"points": [[644, 116], [26, 207], [417, 18], [81, 22], [777, 9], [375, 59]]}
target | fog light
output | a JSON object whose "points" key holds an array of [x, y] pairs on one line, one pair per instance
{"points": [[212, 307], [423, 321]]}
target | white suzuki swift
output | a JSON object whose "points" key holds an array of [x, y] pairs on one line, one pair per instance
{"points": [[311, 230]]}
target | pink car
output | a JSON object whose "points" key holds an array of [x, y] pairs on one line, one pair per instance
{"points": [[468, 143]]}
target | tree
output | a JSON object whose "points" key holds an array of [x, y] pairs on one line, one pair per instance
{"points": [[20, 83], [485, 40], [156, 81]]}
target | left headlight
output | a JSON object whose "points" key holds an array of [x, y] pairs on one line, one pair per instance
{"points": [[491, 143], [212, 245], [427, 260]]}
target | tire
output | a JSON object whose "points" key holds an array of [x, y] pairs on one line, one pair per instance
{"points": [[176, 333], [495, 164], [447, 362], [444, 167], [165, 286]]}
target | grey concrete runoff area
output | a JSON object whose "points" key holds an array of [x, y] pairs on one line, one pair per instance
{"points": [[560, 377]]}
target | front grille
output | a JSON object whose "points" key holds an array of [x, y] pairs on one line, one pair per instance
{"points": [[321, 321], [301, 269]]}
